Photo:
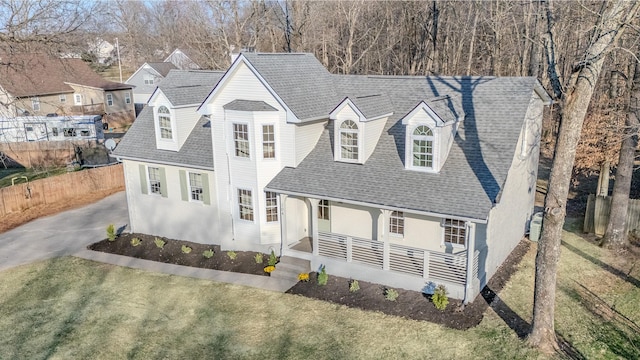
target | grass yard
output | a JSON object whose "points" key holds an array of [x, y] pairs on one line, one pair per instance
{"points": [[71, 308]]}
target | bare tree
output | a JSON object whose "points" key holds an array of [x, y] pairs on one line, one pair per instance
{"points": [[574, 101]]}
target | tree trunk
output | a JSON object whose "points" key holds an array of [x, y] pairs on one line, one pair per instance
{"points": [[574, 107], [615, 237]]}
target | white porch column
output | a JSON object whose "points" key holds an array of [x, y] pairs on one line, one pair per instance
{"points": [[284, 243], [386, 214], [471, 249], [314, 224]]}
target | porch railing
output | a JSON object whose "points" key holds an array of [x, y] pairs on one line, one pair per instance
{"points": [[430, 265]]}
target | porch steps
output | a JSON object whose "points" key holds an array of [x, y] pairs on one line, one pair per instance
{"points": [[289, 268]]}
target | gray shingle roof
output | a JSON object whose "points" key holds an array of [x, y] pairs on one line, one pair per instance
{"points": [[373, 105], [448, 107], [162, 68], [188, 87], [249, 105], [473, 173], [140, 143], [300, 80]]}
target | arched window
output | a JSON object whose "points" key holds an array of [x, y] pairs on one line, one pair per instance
{"points": [[164, 122], [422, 151], [349, 140]]}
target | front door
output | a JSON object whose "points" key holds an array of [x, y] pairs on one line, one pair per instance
{"points": [[36, 131], [324, 216]]}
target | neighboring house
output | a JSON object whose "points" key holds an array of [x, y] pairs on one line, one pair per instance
{"points": [[404, 181], [39, 84], [146, 79], [180, 59], [103, 50], [51, 128]]}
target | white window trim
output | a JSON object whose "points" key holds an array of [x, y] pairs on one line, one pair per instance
{"points": [[62, 98], [408, 144], [156, 118], [150, 192], [275, 151], [109, 99], [77, 99], [253, 206], [397, 235], [328, 207], [338, 140], [189, 188], [266, 208], [524, 151], [35, 102], [444, 243], [148, 79], [127, 98], [249, 142]]}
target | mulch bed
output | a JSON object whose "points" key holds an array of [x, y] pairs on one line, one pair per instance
{"points": [[409, 304], [172, 253]]}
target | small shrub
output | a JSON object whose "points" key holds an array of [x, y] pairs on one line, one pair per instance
{"points": [[111, 232], [269, 269], [354, 286], [273, 259], [303, 277], [186, 249], [259, 258], [208, 253], [159, 242], [136, 241], [323, 277], [391, 294], [439, 298], [232, 255]]}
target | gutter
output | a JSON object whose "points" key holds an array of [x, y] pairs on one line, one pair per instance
{"points": [[120, 157]]}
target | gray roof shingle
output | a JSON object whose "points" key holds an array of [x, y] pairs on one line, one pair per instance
{"points": [[249, 105], [473, 174], [189, 87], [140, 143], [162, 68]]}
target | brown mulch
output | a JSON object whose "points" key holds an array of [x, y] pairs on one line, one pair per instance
{"points": [[413, 304], [409, 304], [172, 253]]}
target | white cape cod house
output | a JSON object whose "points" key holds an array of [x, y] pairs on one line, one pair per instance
{"points": [[398, 180]]}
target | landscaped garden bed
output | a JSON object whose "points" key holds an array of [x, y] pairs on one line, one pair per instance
{"points": [[368, 296]]}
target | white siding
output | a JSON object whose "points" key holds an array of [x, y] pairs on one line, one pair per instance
{"points": [[297, 219], [171, 216], [306, 138], [372, 131], [354, 220], [508, 220], [420, 231], [165, 144], [186, 119]]}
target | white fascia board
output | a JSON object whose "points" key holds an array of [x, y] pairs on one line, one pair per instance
{"points": [[121, 157], [377, 206], [422, 106], [137, 71], [542, 93], [154, 94], [346, 102], [242, 59]]}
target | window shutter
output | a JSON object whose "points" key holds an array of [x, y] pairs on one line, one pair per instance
{"points": [[206, 198], [143, 179], [163, 182], [184, 191]]}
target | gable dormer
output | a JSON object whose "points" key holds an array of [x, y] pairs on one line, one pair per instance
{"points": [[358, 124], [172, 122], [430, 129]]}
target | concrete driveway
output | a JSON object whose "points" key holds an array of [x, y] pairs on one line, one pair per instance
{"points": [[63, 234]]}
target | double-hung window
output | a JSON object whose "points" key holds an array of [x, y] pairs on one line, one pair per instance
{"points": [[323, 210], [164, 123], [422, 147], [349, 140], [148, 79], [268, 142], [245, 204], [77, 99], [109, 99], [35, 104], [62, 98], [155, 185], [127, 98], [241, 140], [272, 206], [455, 232], [396, 223], [195, 187]]}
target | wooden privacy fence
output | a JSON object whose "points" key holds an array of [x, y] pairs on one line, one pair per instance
{"points": [[60, 188], [597, 215]]}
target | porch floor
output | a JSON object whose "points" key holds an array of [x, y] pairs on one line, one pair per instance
{"points": [[304, 245]]}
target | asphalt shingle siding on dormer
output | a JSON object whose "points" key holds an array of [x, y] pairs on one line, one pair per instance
{"points": [[473, 174]]}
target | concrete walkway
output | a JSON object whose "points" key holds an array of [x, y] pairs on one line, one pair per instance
{"points": [[69, 233]]}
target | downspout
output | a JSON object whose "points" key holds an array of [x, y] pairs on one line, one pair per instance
{"points": [[471, 245], [229, 187]]}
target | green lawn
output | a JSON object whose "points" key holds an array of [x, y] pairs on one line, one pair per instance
{"points": [[7, 174], [72, 308]]}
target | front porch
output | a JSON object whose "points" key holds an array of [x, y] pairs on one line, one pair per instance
{"points": [[381, 257]]}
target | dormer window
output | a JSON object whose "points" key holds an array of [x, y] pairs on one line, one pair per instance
{"points": [[422, 147], [349, 141], [164, 123]]}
